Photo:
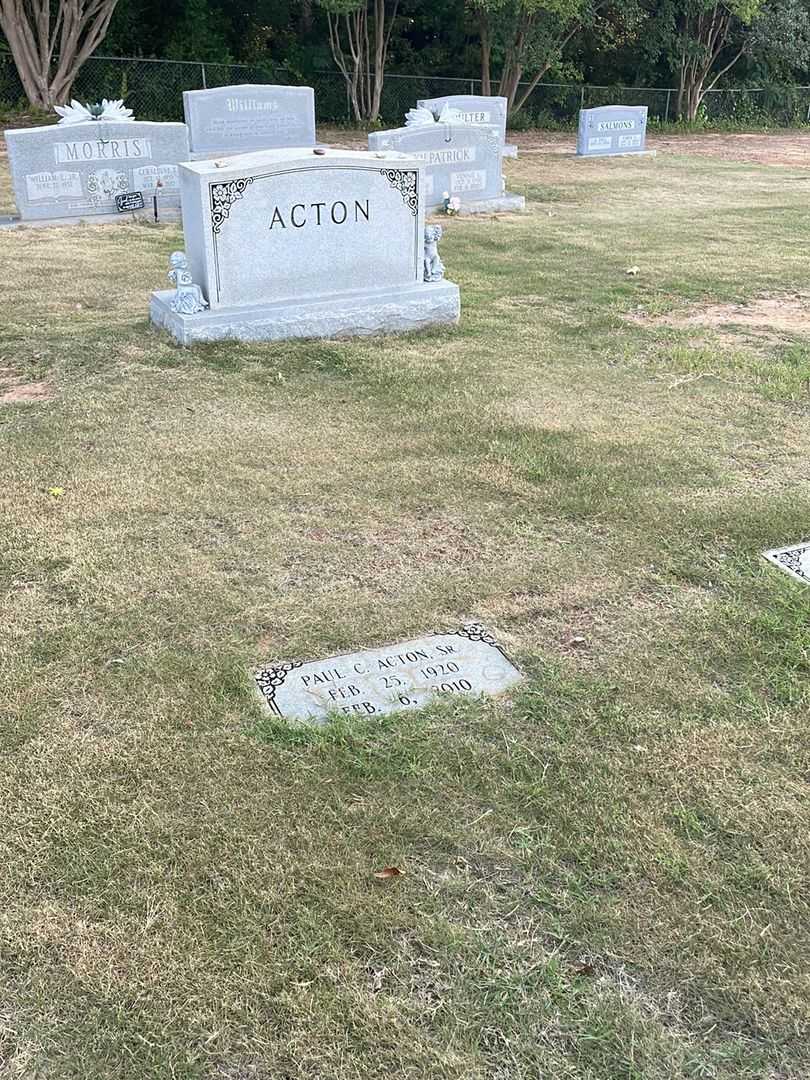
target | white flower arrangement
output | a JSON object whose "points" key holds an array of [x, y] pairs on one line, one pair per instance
{"points": [[419, 117], [76, 113], [451, 204]]}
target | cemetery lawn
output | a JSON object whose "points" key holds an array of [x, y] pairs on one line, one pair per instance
{"points": [[605, 874]]}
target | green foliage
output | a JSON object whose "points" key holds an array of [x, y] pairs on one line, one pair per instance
{"points": [[614, 44], [780, 38]]}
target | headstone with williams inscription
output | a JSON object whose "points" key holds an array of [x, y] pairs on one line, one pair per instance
{"points": [[240, 119], [612, 130], [305, 243], [374, 682], [77, 171]]}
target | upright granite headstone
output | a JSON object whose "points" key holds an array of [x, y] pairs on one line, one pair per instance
{"points": [[612, 130], [474, 109], [297, 243], [463, 160], [240, 119], [77, 170]]}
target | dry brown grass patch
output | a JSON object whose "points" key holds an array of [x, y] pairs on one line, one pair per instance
{"points": [[766, 317], [15, 390]]}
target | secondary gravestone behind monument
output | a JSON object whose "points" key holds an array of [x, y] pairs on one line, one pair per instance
{"points": [[77, 170], [297, 243], [474, 109], [463, 160], [612, 130], [240, 119]]}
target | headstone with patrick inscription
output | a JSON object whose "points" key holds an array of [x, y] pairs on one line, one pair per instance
{"points": [[79, 167], [612, 131], [304, 243], [467, 662], [461, 160], [472, 109], [239, 119]]}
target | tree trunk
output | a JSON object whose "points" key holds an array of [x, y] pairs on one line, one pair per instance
{"points": [[35, 35], [361, 61], [512, 69], [515, 59], [349, 62], [486, 53], [711, 29]]}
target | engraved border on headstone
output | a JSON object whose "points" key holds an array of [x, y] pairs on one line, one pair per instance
{"points": [[793, 560], [374, 682], [223, 194]]}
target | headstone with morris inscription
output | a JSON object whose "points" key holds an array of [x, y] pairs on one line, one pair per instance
{"points": [[78, 170]]}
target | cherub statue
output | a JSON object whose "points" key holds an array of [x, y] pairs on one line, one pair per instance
{"points": [[434, 267], [188, 298]]}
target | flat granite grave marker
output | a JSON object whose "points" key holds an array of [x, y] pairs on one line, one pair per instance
{"points": [[612, 131], [463, 160], [379, 681], [241, 119], [306, 243], [473, 109], [77, 171], [793, 560]]}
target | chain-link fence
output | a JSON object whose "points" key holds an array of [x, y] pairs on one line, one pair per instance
{"points": [[153, 89]]}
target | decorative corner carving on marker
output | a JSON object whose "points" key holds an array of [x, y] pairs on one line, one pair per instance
{"points": [[794, 560], [404, 180], [223, 196], [269, 679], [475, 631]]}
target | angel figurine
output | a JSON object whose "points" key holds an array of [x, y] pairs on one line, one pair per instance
{"points": [[188, 298]]}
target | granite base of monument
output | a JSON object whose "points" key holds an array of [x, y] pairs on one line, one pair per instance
{"points": [[385, 311], [621, 153], [499, 204], [147, 215]]}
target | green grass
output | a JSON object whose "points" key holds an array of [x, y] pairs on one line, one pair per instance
{"points": [[607, 873]]}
